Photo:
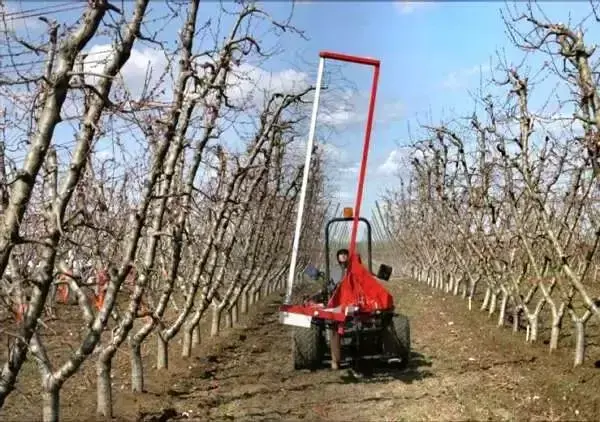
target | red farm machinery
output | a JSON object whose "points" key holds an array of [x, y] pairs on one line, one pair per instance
{"points": [[360, 311]]}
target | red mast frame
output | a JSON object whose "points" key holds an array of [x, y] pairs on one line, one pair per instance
{"points": [[365, 153]]}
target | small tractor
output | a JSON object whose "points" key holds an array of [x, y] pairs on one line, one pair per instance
{"points": [[367, 331], [360, 309]]}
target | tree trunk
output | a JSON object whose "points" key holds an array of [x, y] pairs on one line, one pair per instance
{"points": [[554, 334], [486, 299], [104, 405], [493, 303], [137, 369], [235, 314], [472, 290], [502, 313], [51, 404], [244, 305], [557, 319], [196, 335], [186, 346], [162, 353], [579, 342], [228, 319], [191, 330], [455, 288], [215, 325], [516, 319], [533, 327], [534, 320]]}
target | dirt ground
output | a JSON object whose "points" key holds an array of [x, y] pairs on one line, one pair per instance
{"points": [[463, 368]]}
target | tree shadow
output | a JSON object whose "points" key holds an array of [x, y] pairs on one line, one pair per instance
{"points": [[164, 415], [375, 371]]}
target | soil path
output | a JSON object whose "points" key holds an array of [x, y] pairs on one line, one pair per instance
{"points": [[463, 368]]}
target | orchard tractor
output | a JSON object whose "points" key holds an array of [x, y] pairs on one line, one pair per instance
{"points": [[357, 320]]}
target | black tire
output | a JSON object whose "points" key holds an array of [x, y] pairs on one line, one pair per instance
{"points": [[397, 339], [307, 347]]}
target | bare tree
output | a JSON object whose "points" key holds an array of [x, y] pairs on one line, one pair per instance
{"points": [[516, 184]]}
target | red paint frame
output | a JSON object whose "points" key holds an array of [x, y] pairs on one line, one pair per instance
{"points": [[363, 164]]}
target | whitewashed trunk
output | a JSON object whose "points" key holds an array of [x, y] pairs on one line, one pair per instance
{"points": [[493, 303], [579, 343], [186, 346], [244, 304], [228, 319], [533, 327], [502, 313], [456, 286], [486, 299], [51, 404], [104, 405], [137, 369], [162, 353], [235, 316], [196, 335], [557, 320], [215, 326], [516, 319]]}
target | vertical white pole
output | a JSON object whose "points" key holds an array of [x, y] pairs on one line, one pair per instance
{"points": [[309, 148]]}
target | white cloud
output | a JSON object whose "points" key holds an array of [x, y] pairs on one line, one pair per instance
{"points": [[391, 111], [407, 7], [352, 109], [146, 68], [344, 195], [338, 158], [396, 161], [247, 84], [253, 84], [390, 165], [144, 65], [350, 170], [339, 117], [104, 155], [461, 78]]}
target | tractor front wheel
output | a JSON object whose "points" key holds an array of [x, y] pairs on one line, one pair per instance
{"points": [[307, 347]]}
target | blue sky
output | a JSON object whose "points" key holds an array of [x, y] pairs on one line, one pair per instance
{"points": [[431, 54]]}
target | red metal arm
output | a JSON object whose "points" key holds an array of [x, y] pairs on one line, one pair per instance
{"points": [[363, 164], [348, 58]]}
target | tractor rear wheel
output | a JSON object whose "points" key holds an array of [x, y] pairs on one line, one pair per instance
{"points": [[307, 347], [397, 339]]}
